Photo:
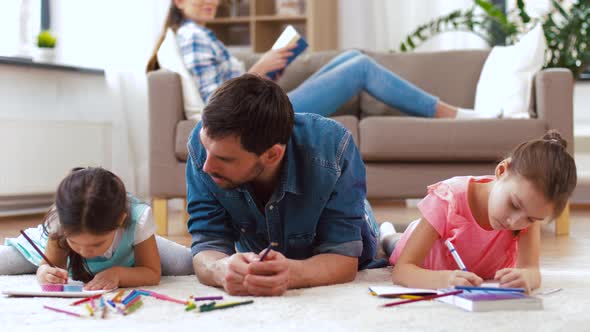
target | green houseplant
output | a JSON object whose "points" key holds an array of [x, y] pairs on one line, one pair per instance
{"points": [[46, 40], [567, 30]]}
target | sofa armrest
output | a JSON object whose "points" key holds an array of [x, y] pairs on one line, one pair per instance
{"points": [[554, 99], [166, 109]]}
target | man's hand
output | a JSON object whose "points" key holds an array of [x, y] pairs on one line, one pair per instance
{"points": [[236, 269], [269, 277]]}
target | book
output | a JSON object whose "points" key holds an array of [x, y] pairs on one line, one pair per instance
{"points": [[288, 37], [71, 289], [490, 300], [397, 291]]}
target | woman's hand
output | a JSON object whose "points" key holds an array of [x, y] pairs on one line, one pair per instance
{"points": [[272, 60], [51, 275], [107, 279], [464, 278], [514, 278]]}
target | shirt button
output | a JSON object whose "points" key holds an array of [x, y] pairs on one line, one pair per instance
{"points": [[243, 230], [271, 207]]}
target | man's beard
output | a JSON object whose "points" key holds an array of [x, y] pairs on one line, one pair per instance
{"points": [[228, 184]]}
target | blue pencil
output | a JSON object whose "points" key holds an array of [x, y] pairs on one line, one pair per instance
{"points": [[491, 289]]}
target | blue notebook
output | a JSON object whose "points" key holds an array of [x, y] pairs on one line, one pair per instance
{"points": [[290, 36], [485, 300]]}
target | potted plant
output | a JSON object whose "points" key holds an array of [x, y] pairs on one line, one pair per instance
{"points": [[567, 30], [46, 45]]}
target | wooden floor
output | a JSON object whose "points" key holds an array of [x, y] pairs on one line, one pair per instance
{"points": [[564, 253]]}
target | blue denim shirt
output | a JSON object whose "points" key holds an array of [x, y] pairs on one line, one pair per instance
{"points": [[317, 208]]}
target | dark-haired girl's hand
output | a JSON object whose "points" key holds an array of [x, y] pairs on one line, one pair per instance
{"points": [[107, 279], [51, 275]]}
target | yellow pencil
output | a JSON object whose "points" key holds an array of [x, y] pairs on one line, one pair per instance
{"points": [[89, 309], [410, 297]]}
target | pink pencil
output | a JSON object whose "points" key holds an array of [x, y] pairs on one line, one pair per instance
{"points": [[166, 298], [62, 311], [424, 298]]}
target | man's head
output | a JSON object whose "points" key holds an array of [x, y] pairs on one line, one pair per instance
{"points": [[246, 126]]}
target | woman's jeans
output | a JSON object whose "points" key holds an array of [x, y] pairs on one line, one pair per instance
{"points": [[347, 75]]}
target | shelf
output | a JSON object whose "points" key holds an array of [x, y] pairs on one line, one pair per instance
{"points": [[258, 25], [231, 20], [284, 18]]}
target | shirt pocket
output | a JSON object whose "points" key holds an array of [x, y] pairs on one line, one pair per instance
{"points": [[300, 246]]}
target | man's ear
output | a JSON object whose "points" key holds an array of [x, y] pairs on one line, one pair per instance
{"points": [[502, 168], [274, 154]]}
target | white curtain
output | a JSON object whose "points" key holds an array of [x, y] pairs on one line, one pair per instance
{"points": [[395, 19], [119, 37]]}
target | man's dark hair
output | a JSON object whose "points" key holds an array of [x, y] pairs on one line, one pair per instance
{"points": [[256, 110]]}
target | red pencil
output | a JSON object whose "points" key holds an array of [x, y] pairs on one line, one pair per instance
{"points": [[37, 248], [424, 298], [86, 299]]}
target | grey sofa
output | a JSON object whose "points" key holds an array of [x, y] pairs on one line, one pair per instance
{"points": [[402, 154]]}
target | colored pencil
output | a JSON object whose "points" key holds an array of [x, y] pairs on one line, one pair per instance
{"points": [[424, 298], [62, 311], [129, 297], [209, 307], [455, 255], [86, 299], [490, 289], [117, 298], [267, 250], [37, 249], [89, 309], [207, 298], [134, 307], [166, 298]]}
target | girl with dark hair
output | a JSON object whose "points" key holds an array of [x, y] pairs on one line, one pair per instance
{"points": [[493, 222], [96, 233]]}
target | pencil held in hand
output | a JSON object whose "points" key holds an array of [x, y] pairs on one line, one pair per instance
{"points": [[37, 248], [267, 250]]}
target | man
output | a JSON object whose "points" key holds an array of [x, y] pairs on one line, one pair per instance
{"points": [[259, 175]]}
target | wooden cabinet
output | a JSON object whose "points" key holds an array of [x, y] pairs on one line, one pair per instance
{"points": [[255, 24]]}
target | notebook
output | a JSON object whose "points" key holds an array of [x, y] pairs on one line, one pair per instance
{"points": [[289, 37], [74, 290], [397, 291], [485, 300]]}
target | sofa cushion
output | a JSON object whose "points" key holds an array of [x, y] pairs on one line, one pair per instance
{"points": [[185, 127], [451, 76], [183, 131], [387, 139]]}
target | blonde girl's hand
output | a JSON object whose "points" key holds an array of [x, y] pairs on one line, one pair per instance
{"points": [[272, 60], [107, 279], [514, 278], [464, 278], [51, 275]]}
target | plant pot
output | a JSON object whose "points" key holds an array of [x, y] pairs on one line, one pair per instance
{"points": [[44, 54]]}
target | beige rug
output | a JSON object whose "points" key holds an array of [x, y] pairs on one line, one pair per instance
{"points": [[347, 307]]}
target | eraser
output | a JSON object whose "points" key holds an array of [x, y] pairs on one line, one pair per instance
{"points": [[52, 288], [73, 288]]}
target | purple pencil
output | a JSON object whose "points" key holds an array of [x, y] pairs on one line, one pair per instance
{"points": [[267, 250]]}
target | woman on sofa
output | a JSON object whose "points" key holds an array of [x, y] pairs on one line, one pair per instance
{"points": [[210, 64]]}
